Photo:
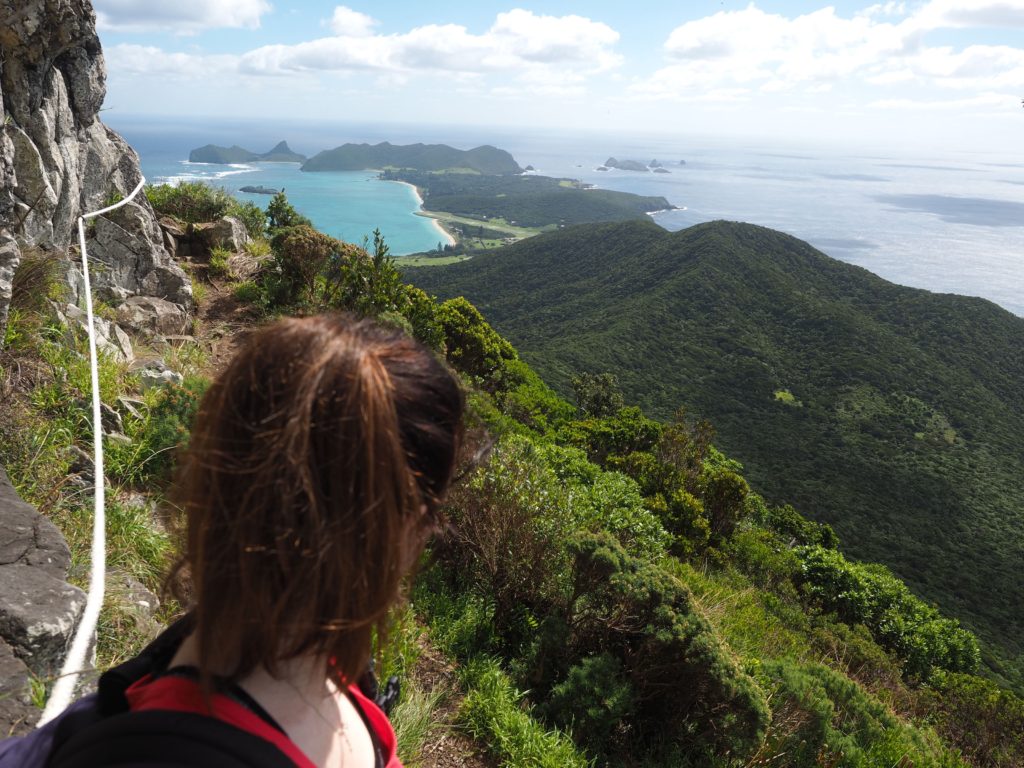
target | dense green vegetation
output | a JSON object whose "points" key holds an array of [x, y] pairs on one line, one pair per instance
{"points": [[419, 157], [610, 589], [526, 201], [891, 413]]}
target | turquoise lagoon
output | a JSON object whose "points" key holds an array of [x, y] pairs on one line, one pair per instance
{"points": [[348, 205]]}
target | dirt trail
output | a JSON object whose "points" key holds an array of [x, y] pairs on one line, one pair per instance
{"points": [[223, 322], [448, 746]]}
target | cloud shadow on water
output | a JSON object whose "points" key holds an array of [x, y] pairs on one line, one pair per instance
{"points": [[980, 211]]}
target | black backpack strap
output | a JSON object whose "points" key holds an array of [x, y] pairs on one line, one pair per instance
{"points": [[110, 697], [230, 689], [168, 740]]}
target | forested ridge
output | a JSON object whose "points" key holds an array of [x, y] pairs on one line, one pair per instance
{"points": [[891, 413], [526, 200], [424, 157]]}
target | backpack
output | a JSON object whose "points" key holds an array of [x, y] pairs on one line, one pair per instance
{"points": [[100, 730]]}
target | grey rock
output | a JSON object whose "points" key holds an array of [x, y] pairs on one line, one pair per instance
{"points": [[131, 406], [129, 246], [81, 463], [156, 374], [132, 592], [28, 538], [147, 314], [38, 615], [110, 337], [227, 232], [17, 714], [110, 419], [10, 256]]}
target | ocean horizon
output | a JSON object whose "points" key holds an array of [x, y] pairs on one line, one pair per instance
{"points": [[949, 223]]}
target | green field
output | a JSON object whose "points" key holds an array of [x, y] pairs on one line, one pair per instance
{"points": [[429, 261]]}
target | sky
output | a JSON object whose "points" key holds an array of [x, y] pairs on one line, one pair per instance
{"points": [[932, 73]]}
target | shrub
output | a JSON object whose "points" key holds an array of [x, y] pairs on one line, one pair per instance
{"points": [[823, 718], [976, 716], [899, 621], [509, 524], [190, 201], [473, 347], [528, 400], [787, 522], [598, 395], [594, 703], [724, 494], [249, 293], [158, 435], [627, 432], [282, 214], [219, 262], [251, 215], [687, 686]]}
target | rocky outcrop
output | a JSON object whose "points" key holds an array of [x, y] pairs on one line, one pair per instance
{"points": [[57, 159]]}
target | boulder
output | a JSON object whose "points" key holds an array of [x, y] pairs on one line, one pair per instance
{"points": [[38, 616], [110, 337], [38, 610], [17, 714], [28, 538], [147, 314], [156, 374], [227, 232]]}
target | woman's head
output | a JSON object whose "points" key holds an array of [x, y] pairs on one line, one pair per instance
{"points": [[315, 470]]}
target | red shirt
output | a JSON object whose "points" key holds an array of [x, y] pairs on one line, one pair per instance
{"points": [[180, 694]]}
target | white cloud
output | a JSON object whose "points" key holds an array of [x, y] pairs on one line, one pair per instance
{"points": [[950, 14], [884, 46], [144, 60], [349, 23], [179, 16], [519, 42]]}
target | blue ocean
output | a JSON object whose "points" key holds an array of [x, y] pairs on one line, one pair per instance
{"points": [[950, 221]]}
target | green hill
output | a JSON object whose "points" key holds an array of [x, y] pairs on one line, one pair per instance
{"points": [[422, 157], [211, 153], [527, 201], [891, 413]]}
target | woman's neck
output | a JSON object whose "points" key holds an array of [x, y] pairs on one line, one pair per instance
{"points": [[319, 718]]}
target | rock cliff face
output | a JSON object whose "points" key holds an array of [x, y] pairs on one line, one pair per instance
{"points": [[57, 159]]}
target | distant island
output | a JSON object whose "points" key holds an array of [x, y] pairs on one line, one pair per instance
{"points": [[486, 160], [625, 165], [635, 165], [211, 153], [259, 190]]}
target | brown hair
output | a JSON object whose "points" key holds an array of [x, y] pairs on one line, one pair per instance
{"points": [[316, 469]]}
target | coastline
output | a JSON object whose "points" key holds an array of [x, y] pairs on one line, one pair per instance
{"points": [[419, 199]]}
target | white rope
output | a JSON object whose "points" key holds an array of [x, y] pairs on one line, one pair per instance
{"points": [[74, 663]]}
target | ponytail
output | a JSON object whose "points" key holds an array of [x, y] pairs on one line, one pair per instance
{"points": [[317, 463]]}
